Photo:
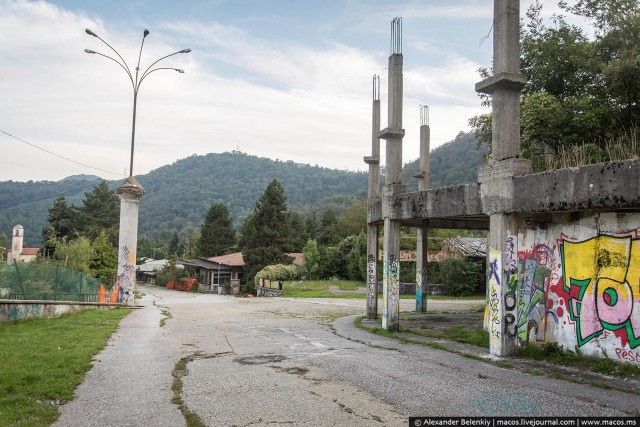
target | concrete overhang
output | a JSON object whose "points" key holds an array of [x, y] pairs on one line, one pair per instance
{"points": [[611, 186], [456, 206]]}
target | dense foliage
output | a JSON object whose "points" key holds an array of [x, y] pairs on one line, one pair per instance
{"points": [[217, 235], [266, 234], [455, 162], [583, 89]]}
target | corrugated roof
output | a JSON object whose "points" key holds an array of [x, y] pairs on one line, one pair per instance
{"points": [[232, 260], [468, 246]]}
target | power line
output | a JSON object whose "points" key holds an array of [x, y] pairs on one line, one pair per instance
{"points": [[58, 155]]}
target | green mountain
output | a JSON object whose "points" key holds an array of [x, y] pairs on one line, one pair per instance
{"points": [[455, 162], [178, 195]]}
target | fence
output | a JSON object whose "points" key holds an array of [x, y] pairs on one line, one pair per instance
{"points": [[30, 281]]}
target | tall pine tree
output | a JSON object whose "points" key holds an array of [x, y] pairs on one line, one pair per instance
{"points": [[266, 233], [217, 235]]}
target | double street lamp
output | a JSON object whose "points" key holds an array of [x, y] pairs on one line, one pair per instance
{"points": [[130, 191], [136, 80]]}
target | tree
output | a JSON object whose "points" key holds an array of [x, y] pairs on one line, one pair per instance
{"points": [[100, 210], [62, 223], [311, 225], [217, 235], [581, 90], [325, 232], [311, 257], [148, 247], [174, 244], [265, 233], [104, 262], [74, 255], [351, 222]]}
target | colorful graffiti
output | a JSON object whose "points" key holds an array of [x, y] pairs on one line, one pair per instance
{"points": [[390, 292], [127, 276], [495, 309], [534, 308], [421, 290], [511, 276], [601, 276]]}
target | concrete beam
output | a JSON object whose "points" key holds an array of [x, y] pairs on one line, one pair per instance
{"points": [[611, 186]]}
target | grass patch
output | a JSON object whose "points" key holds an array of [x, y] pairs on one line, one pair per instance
{"points": [[552, 352], [476, 336], [180, 370], [43, 360], [166, 316]]}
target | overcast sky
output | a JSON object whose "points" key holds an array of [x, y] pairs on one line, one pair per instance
{"points": [[284, 79]]}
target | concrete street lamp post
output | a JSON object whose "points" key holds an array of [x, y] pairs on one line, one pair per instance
{"points": [[130, 192]]}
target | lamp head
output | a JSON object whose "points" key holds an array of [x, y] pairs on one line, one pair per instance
{"points": [[145, 33], [185, 51], [91, 33], [179, 70], [89, 51]]}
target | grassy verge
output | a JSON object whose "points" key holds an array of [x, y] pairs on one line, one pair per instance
{"points": [[553, 353], [322, 289], [43, 360]]}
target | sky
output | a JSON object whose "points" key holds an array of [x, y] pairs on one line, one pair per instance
{"points": [[283, 79]]}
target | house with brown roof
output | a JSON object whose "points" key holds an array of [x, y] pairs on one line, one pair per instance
{"points": [[223, 272]]}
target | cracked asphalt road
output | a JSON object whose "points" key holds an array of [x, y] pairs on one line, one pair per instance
{"points": [[270, 361]]}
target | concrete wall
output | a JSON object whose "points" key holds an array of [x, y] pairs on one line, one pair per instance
{"points": [[579, 284], [15, 310]]}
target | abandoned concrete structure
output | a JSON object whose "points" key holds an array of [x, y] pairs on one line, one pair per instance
{"points": [[563, 252]]}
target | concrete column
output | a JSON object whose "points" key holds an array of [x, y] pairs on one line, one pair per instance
{"points": [[391, 276], [130, 193], [374, 195], [421, 240], [496, 178], [393, 135]]}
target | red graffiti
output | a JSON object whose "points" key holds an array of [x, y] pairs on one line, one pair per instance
{"points": [[628, 355]]}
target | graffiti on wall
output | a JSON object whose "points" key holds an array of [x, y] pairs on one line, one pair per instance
{"points": [[511, 278], [495, 312], [421, 290], [601, 276], [535, 269], [390, 290], [372, 285], [127, 277]]}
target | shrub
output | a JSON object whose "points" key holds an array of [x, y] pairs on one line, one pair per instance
{"points": [[461, 277]]}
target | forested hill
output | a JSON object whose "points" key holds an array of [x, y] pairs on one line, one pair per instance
{"points": [[455, 162], [178, 195]]}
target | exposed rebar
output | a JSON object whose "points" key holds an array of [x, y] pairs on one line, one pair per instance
{"points": [[424, 115], [376, 87], [396, 36]]}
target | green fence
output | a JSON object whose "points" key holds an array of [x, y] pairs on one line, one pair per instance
{"points": [[29, 281]]}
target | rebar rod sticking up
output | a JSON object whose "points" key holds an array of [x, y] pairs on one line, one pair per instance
{"points": [[376, 87], [424, 115], [396, 36]]}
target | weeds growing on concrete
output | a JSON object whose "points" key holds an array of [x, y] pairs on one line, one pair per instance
{"points": [[180, 370]]}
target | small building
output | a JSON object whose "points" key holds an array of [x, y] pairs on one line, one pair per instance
{"points": [[216, 273], [147, 271], [18, 252]]}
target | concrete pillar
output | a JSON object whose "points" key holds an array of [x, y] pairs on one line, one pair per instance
{"points": [[496, 178], [421, 240], [374, 195], [393, 135], [130, 193]]}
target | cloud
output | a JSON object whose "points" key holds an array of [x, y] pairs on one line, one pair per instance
{"points": [[278, 98]]}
